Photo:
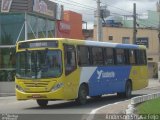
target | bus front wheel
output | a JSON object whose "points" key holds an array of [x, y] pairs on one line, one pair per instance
{"points": [[128, 91], [82, 95], [42, 103]]}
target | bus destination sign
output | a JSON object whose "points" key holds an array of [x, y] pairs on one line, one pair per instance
{"points": [[38, 44]]}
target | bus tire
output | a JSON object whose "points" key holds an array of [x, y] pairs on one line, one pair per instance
{"points": [[82, 95], [128, 90], [42, 103]]}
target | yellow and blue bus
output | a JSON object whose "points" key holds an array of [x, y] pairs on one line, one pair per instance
{"points": [[50, 69]]}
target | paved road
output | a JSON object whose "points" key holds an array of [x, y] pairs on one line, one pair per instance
{"points": [[62, 110]]}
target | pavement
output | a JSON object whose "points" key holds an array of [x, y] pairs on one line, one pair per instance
{"points": [[93, 110], [117, 110]]}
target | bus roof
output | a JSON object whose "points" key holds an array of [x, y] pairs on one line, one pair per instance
{"points": [[91, 43]]}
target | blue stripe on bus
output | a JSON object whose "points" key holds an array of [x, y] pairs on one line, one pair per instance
{"points": [[108, 80], [127, 46]]}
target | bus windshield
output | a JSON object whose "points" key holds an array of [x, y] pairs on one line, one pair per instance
{"points": [[39, 64]]}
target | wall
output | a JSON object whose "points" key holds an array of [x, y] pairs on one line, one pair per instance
{"points": [[74, 21], [88, 34], [7, 88], [149, 20], [39, 7]]}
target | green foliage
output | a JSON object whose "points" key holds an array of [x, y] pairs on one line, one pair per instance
{"points": [[149, 107]]}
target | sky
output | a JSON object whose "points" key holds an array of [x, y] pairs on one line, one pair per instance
{"points": [[120, 7]]}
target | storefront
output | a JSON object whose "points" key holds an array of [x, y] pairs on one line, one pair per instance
{"points": [[70, 26], [23, 20]]}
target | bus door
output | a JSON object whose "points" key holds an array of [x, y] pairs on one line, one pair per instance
{"points": [[71, 72]]}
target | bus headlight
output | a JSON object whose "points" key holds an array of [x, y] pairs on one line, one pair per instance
{"points": [[19, 88], [57, 86]]}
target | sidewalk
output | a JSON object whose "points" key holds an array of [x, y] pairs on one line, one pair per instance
{"points": [[7, 89], [153, 83]]}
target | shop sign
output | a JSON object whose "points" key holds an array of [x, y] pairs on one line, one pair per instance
{"points": [[64, 26], [142, 41], [41, 6], [6, 5]]}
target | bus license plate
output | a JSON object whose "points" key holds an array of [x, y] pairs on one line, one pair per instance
{"points": [[36, 96]]}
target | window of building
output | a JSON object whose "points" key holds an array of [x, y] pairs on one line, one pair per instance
{"points": [[50, 28], [70, 59], [109, 56], [10, 27], [150, 59], [83, 56], [110, 37], [40, 27], [125, 40], [97, 56], [120, 56]]}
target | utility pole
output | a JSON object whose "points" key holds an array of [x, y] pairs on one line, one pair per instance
{"points": [[159, 35], [99, 38], [158, 10], [26, 27], [134, 24]]}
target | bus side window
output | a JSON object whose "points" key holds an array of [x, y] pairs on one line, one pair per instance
{"points": [[97, 56], [126, 57], [132, 57], [83, 56], [120, 57], [69, 59], [141, 57], [109, 56]]}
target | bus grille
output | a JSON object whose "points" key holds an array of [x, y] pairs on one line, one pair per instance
{"points": [[37, 84]]}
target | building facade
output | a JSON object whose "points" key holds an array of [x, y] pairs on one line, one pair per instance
{"points": [[23, 20], [147, 37], [70, 26]]}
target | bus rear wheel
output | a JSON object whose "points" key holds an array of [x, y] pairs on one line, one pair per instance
{"points": [[128, 91], [42, 103], [82, 95]]}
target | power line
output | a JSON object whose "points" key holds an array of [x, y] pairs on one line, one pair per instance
{"points": [[73, 3], [108, 4], [88, 7], [82, 4], [146, 25], [117, 14], [80, 11], [77, 5]]}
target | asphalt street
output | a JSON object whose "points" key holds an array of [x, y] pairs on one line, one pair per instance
{"points": [[61, 110]]}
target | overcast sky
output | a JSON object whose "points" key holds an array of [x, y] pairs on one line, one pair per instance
{"points": [[122, 7]]}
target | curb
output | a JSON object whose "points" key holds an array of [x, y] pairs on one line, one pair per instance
{"points": [[131, 111]]}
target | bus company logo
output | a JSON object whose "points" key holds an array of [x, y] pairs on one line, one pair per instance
{"points": [[102, 74]]}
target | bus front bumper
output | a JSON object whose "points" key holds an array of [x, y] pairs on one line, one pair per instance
{"points": [[55, 95]]}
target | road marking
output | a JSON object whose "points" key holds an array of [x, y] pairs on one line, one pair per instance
{"points": [[93, 112]]}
